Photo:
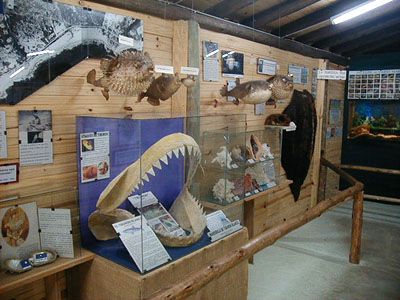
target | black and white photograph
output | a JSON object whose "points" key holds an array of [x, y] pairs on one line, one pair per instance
{"points": [[37, 34], [232, 64], [210, 49]]}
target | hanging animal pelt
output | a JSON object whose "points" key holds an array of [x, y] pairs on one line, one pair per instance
{"points": [[298, 145]]}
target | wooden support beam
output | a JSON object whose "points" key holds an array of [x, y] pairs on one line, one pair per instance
{"points": [[350, 179], [196, 280], [315, 18], [372, 38], [359, 31], [371, 169], [278, 11], [177, 12], [227, 8], [356, 229], [371, 20]]}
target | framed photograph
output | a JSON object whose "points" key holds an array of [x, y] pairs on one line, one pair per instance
{"points": [[210, 49], [232, 64], [265, 66], [9, 173]]}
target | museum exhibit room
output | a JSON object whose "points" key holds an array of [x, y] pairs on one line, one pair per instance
{"points": [[201, 150]]}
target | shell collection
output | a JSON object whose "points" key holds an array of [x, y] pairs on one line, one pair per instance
{"points": [[36, 259]]}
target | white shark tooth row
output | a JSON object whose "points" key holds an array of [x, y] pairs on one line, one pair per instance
{"points": [[194, 151]]}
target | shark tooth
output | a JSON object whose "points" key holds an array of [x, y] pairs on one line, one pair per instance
{"points": [[169, 154], [164, 159], [151, 171], [182, 150], [176, 152], [190, 149], [157, 164], [145, 177]]}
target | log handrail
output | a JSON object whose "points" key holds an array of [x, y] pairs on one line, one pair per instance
{"points": [[200, 278], [370, 169]]}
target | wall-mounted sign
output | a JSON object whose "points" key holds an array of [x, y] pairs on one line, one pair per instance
{"points": [[3, 135], [265, 66], [300, 74], [332, 74], [164, 69], [9, 173], [190, 70], [232, 64]]}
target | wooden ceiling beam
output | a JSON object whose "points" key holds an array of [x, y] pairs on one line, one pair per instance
{"points": [[368, 39], [227, 8], [358, 32], [269, 15], [178, 12], [316, 17], [375, 47], [332, 30]]}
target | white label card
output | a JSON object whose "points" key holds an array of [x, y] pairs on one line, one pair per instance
{"points": [[8, 173], [124, 40], [3, 135], [190, 70], [164, 69], [331, 74]]}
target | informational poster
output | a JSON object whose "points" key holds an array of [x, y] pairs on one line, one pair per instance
{"points": [[374, 84], [210, 61], [19, 231], [3, 135], [332, 74], [142, 243], [95, 156], [335, 131], [155, 213], [220, 226], [259, 109], [300, 74], [56, 231], [232, 64], [265, 66], [35, 137], [314, 83], [335, 111], [231, 85], [9, 173]]}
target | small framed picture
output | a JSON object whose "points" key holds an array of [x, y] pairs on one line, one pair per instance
{"points": [[232, 64]]}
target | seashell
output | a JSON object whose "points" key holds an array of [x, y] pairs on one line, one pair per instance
{"points": [[42, 257], [16, 265]]}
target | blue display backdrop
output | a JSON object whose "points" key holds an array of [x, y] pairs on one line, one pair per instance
{"points": [[129, 139]]}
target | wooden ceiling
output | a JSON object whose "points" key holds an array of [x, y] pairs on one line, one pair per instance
{"points": [[308, 22]]}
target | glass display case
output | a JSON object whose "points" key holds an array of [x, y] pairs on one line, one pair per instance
{"points": [[239, 163]]}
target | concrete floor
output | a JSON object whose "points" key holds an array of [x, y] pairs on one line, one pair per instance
{"points": [[312, 261]]}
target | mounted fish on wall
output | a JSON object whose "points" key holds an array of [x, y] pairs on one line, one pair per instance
{"points": [[251, 92], [298, 145], [43, 39]]}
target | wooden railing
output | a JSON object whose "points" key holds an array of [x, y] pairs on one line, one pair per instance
{"points": [[200, 278]]}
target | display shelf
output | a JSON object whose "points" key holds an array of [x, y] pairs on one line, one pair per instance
{"points": [[246, 164], [12, 281]]}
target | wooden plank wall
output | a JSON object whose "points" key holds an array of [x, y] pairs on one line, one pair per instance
{"points": [[333, 146], [280, 206]]}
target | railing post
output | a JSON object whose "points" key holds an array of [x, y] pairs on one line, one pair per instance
{"points": [[356, 229]]}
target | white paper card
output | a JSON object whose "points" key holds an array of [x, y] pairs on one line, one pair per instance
{"points": [[332, 74], [216, 220], [142, 243], [190, 70], [20, 236], [3, 135], [95, 156], [224, 231], [211, 69], [124, 40], [266, 66], [300, 74], [56, 231], [8, 173], [164, 69], [35, 137]]}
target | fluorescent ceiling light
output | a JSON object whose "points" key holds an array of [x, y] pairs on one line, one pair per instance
{"points": [[40, 52], [16, 72], [358, 10]]}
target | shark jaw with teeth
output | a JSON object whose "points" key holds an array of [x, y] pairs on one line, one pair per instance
{"points": [[186, 210]]}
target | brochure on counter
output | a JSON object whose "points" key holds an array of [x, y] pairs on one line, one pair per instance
{"points": [[220, 226]]}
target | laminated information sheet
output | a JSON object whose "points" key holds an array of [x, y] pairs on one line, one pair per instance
{"points": [[56, 231], [3, 135], [95, 156], [142, 243]]}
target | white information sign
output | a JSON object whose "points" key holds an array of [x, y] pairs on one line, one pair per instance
{"points": [[164, 69], [142, 243], [8, 173], [190, 71], [35, 137], [124, 40], [266, 66], [3, 135], [56, 231], [211, 69], [332, 74], [300, 74], [95, 156]]}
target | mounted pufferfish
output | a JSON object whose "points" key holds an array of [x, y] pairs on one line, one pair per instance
{"points": [[282, 86], [251, 92], [129, 73]]}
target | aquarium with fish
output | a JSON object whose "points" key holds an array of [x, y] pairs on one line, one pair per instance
{"points": [[374, 119], [140, 184], [239, 163]]}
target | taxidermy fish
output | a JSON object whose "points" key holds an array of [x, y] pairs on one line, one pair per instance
{"points": [[251, 92], [129, 73], [298, 145], [164, 87], [282, 86]]}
